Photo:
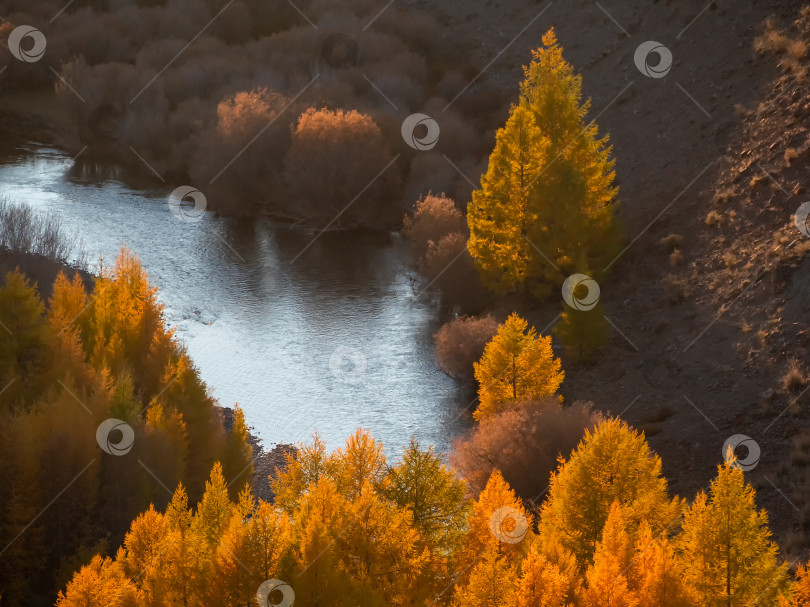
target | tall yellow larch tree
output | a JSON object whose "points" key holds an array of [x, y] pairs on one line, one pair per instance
{"points": [[491, 583], [606, 578], [517, 365], [726, 548], [380, 552], [361, 461], [321, 514], [309, 464], [185, 553], [541, 583], [547, 202], [435, 497], [501, 210], [499, 523], [102, 583], [231, 580], [145, 555], [611, 463], [656, 574], [800, 596], [214, 510]]}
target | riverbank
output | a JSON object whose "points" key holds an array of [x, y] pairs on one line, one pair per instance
{"points": [[265, 462]]}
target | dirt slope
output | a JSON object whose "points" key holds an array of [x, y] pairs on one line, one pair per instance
{"points": [[702, 337]]}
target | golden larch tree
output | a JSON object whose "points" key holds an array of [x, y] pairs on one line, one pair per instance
{"points": [[611, 463], [726, 547], [547, 202], [517, 365]]}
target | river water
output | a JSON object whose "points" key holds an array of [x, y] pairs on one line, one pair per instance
{"points": [[336, 339]]}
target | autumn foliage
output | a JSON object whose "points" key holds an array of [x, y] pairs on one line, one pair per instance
{"points": [[517, 365], [350, 528], [546, 203], [67, 367]]}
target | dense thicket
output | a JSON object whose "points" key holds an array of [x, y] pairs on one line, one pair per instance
{"points": [[216, 92], [347, 528], [67, 367]]}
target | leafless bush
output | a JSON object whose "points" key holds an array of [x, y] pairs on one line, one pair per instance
{"points": [[24, 230], [523, 442], [460, 343], [433, 218], [336, 172]]}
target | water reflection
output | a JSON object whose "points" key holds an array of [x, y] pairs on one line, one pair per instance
{"points": [[261, 328]]}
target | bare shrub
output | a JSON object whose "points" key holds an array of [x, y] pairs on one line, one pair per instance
{"points": [[24, 230], [336, 172], [433, 218], [460, 342], [256, 174], [450, 268], [523, 442]]}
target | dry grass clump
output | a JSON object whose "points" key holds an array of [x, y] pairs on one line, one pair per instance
{"points": [[790, 51], [730, 259], [791, 154], [675, 289], [725, 195], [676, 258], [795, 377], [671, 242], [713, 219]]}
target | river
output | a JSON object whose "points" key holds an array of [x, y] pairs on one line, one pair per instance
{"points": [[336, 339]]}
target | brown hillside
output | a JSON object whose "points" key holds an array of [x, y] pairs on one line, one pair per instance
{"points": [[708, 321]]}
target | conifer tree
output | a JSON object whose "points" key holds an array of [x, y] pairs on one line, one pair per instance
{"points": [[656, 574], [611, 463], [725, 544], [607, 584], [499, 523], [102, 583], [492, 583], [582, 332], [541, 583], [435, 497], [517, 365], [546, 203]]}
